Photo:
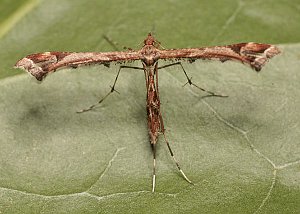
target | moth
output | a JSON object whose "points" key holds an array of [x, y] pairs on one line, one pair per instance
{"points": [[255, 55]]}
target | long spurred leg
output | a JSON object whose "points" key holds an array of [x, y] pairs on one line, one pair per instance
{"points": [[189, 80], [162, 129], [154, 166], [111, 91], [171, 152]]}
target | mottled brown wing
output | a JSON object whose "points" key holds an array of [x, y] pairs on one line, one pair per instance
{"points": [[40, 64], [254, 54]]}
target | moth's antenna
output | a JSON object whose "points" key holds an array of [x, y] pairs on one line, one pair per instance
{"points": [[114, 44], [153, 31]]}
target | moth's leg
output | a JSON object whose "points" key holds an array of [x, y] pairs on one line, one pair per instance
{"points": [[189, 80], [153, 146], [170, 150], [111, 91]]}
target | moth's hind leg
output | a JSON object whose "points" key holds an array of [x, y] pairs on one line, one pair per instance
{"points": [[154, 166], [171, 152]]}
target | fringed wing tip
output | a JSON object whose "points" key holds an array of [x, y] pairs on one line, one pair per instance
{"points": [[261, 55], [32, 68]]}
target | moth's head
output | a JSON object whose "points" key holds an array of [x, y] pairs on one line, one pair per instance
{"points": [[150, 40]]}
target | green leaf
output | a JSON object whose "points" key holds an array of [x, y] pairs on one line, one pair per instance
{"points": [[241, 152]]}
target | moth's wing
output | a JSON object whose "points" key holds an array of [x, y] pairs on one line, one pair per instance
{"points": [[40, 64], [254, 54]]}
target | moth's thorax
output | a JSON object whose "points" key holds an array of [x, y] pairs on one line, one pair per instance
{"points": [[150, 54]]}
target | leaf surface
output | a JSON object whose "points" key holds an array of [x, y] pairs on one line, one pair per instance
{"points": [[242, 152]]}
